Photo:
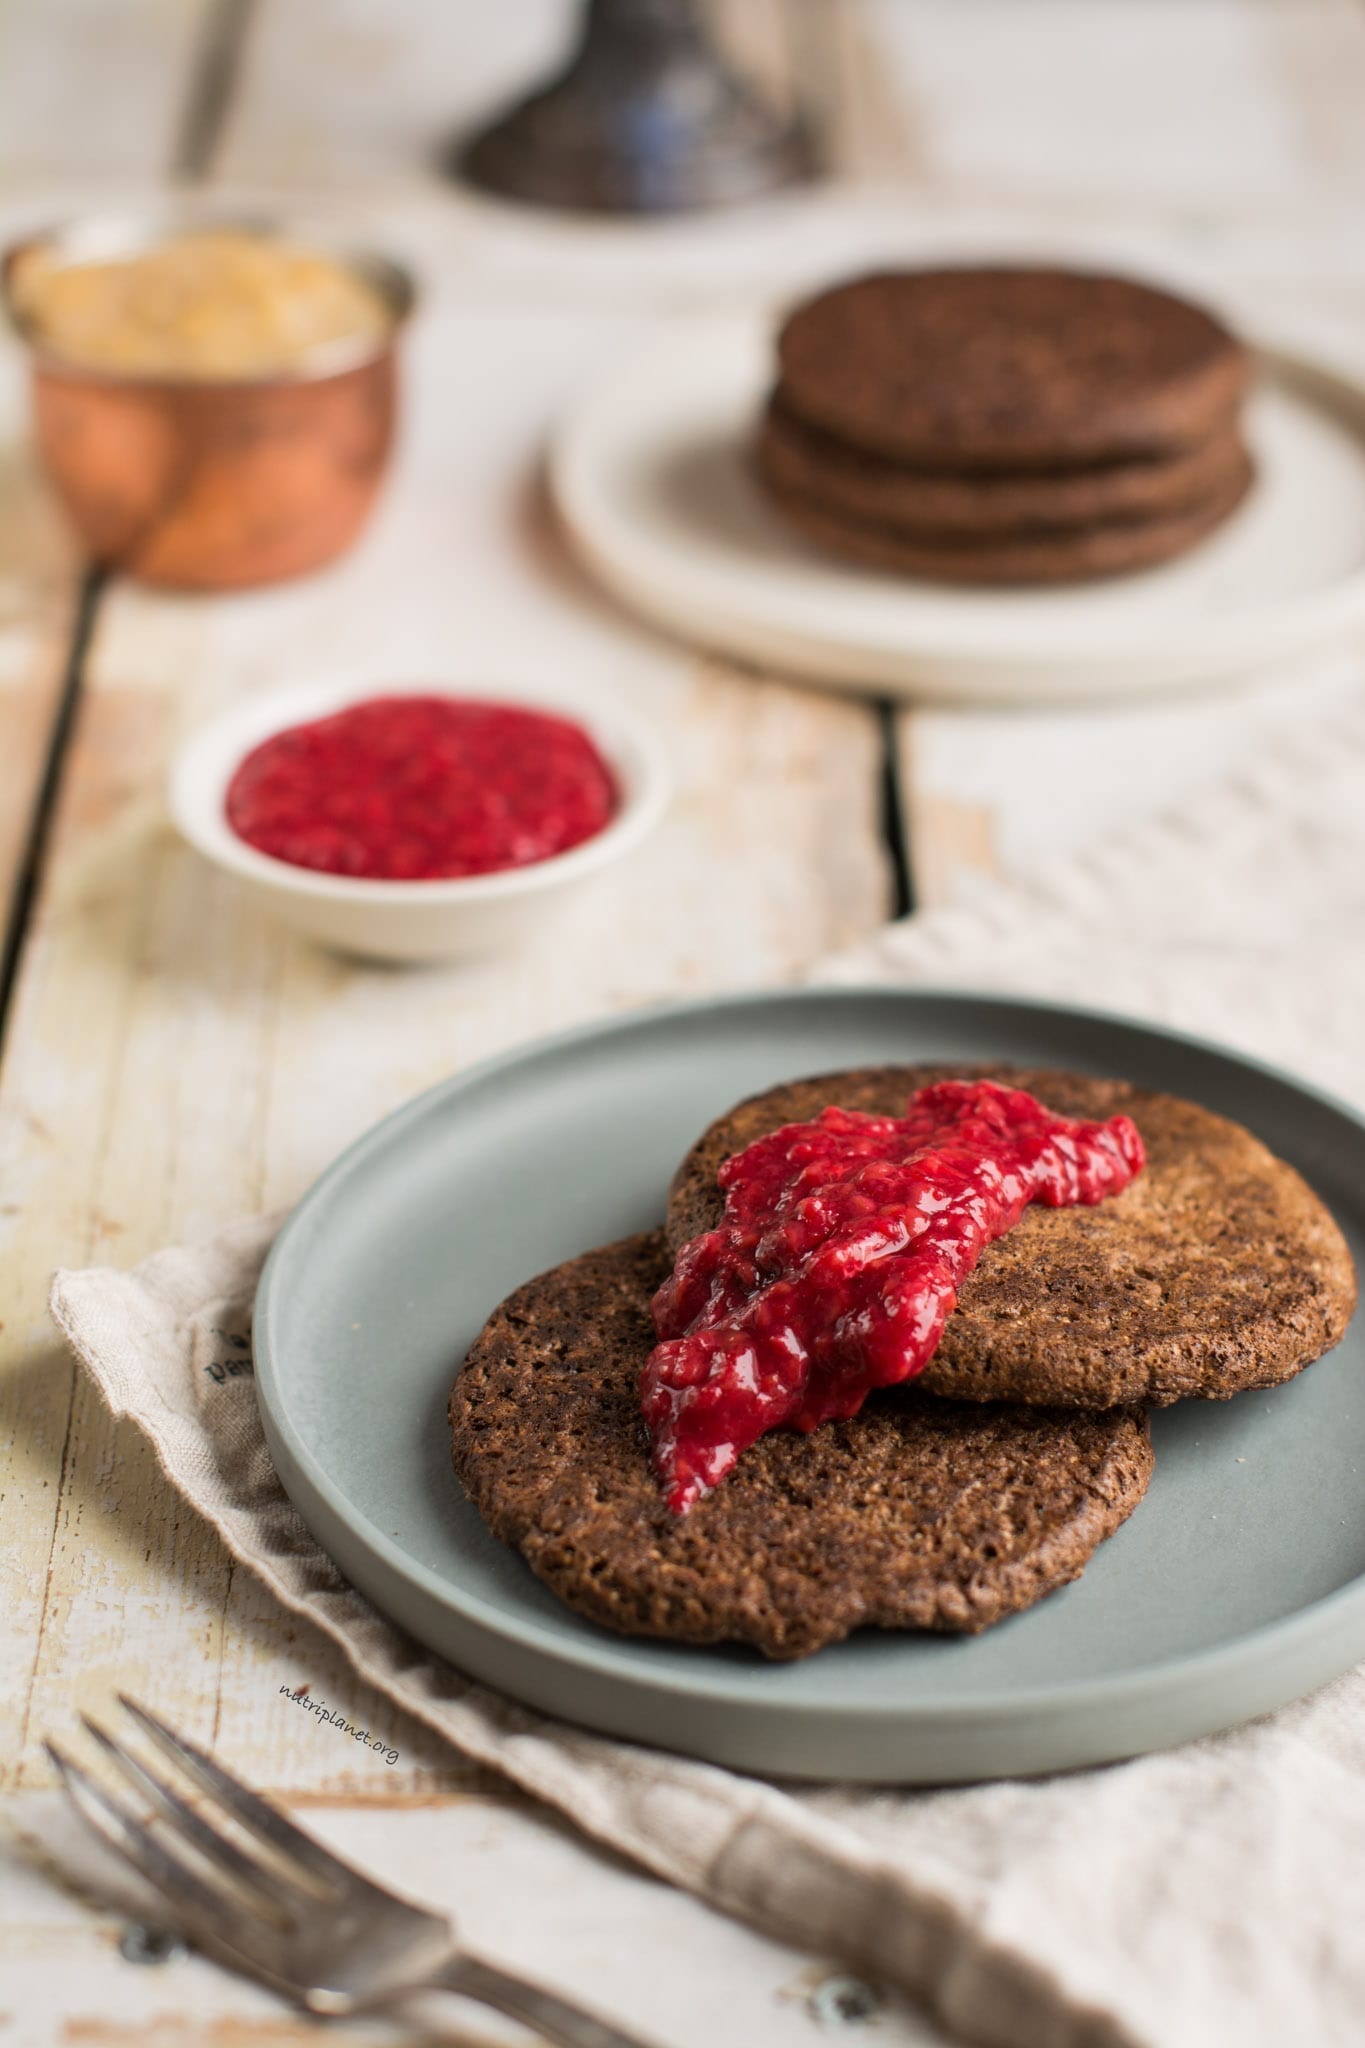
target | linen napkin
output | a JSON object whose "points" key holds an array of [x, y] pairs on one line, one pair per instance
{"points": [[1202, 1898]]}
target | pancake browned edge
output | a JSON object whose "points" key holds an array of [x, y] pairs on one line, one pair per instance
{"points": [[1009, 368], [848, 482], [1105, 548], [916, 1514], [1218, 1269]]}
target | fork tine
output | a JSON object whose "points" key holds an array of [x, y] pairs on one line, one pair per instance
{"points": [[247, 1806], [271, 1887], [114, 1824]]}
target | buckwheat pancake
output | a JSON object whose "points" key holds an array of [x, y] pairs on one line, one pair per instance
{"points": [[1009, 368], [848, 481], [917, 1513], [1066, 555], [1218, 1269]]}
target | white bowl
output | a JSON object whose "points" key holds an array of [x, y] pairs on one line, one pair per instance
{"points": [[439, 920]]}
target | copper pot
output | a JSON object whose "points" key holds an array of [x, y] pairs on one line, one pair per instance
{"points": [[214, 485]]}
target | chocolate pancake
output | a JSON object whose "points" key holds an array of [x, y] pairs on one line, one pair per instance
{"points": [[916, 1514], [1111, 548], [1009, 368], [848, 482], [1218, 1269]]}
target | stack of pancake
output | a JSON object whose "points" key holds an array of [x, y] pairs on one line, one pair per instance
{"points": [[954, 1500], [1005, 425]]}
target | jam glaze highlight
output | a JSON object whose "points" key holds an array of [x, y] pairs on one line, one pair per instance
{"points": [[838, 1260]]}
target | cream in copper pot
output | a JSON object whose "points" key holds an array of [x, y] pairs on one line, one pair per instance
{"points": [[208, 304]]}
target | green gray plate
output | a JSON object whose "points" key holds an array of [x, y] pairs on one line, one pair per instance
{"points": [[1238, 1584]]}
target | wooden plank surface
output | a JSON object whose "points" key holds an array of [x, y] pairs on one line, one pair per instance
{"points": [[40, 594], [93, 93], [344, 92], [1223, 151], [1214, 106], [66, 127], [174, 1060], [222, 1064], [183, 1061]]}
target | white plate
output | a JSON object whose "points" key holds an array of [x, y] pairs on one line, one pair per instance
{"points": [[651, 475], [1238, 1584]]}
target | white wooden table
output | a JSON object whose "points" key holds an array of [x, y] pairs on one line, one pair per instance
{"points": [[171, 1060]]}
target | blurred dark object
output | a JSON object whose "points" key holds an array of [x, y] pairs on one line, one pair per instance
{"points": [[647, 117]]}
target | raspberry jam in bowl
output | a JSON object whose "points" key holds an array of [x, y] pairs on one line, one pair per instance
{"points": [[422, 822], [422, 789]]}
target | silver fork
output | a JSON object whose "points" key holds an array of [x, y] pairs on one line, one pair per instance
{"points": [[286, 1910]]}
